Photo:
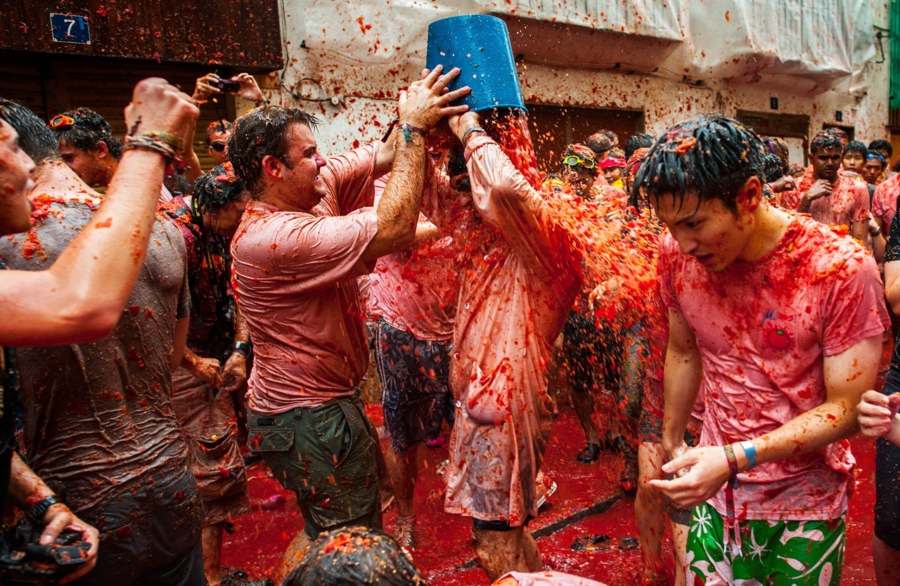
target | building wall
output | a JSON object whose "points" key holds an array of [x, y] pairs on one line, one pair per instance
{"points": [[362, 62]]}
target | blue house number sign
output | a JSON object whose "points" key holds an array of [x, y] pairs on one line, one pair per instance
{"points": [[69, 28]]}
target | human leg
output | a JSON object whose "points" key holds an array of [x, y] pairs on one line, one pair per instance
{"points": [[887, 563], [212, 552], [679, 546], [404, 471], [579, 347], [886, 540], [649, 509], [501, 551]]}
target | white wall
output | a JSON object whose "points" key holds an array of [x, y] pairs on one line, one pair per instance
{"points": [[369, 68]]}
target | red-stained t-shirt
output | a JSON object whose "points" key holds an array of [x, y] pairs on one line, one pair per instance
{"points": [[848, 202], [415, 291], [294, 276], [884, 203], [763, 329]]}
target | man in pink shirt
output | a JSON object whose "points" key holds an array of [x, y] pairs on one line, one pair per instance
{"points": [[829, 196], [412, 297], [304, 239], [778, 321], [520, 276], [884, 202]]}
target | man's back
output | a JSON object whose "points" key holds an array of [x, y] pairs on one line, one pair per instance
{"points": [[98, 418]]}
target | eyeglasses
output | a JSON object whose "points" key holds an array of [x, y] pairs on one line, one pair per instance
{"points": [[576, 161], [61, 122], [217, 146]]}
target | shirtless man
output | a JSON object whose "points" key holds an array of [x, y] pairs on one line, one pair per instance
{"points": [[99, 424], [781, 376], [80, 298]]}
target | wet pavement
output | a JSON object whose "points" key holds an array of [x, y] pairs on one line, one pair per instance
{"points": [[444, 553]]}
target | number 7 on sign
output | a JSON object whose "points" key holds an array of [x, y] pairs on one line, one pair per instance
{"points": [[71, 22]]}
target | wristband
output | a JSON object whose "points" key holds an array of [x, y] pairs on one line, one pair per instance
{"points": [[176, 142], [408, 130], [876, 233], [750, 453], [465, 138], [242, 348], [390, 129], [36, 513], [153, 144], [732, 465]]}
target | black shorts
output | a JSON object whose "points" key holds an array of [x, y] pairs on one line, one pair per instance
{"points": [[415, 390], [887, 479], [151, 536], [585, 344]]}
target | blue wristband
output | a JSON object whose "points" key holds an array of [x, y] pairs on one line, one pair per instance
{"points": [[750, 453]]}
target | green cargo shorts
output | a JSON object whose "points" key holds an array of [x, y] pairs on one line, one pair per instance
{"points": [[326, 455]]}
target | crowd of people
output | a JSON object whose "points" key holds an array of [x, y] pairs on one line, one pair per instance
{"points": [[718, 310]]}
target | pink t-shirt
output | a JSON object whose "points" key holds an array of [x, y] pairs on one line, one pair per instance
{"points": [[884, 203], [848, 202], [763, 329], [295, 281], [415, 291], [550, 579], [521, 277]]}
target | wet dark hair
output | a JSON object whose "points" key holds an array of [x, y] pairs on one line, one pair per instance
{"points": [[778, 147], [216, 189], [856, 147], [637, 141], [263, 131], [838, 132], [456, 163], [772, 168], [220, 125], [89, 130], [354, 556], [34, 136], [711, 155], [600, 142], [825, 140], [882, 145]]}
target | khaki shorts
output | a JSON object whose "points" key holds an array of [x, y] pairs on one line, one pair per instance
{"points": [[326, 455]]}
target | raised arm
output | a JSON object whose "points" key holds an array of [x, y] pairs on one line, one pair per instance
{"points": [[421, 107], [81, 297]]}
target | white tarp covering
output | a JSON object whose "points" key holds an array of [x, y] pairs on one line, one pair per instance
{"points": [[802, 45]]}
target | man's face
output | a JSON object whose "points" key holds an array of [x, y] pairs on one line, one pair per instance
{"points": [[826, 163], [218, 146], [706, 230], [873, 170], [302, 182], [855, 162], [226, 220], [15, 183], [86, 164]]}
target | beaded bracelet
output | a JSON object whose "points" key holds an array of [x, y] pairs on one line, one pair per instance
{"points": [[408, 130], [174, 141], [154, 144]]}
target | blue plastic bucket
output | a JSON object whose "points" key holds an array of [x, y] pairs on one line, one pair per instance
{"points": [[479, 45]]}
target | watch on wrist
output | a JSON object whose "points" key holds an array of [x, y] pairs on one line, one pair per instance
{"points": [[243, 348], [876, 233], [37, 512]]}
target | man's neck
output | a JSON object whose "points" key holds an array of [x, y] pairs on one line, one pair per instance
{"points": [[55, 179], [769, 225], [834, 180]]}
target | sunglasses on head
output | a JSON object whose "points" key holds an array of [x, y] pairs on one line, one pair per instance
{"points": [[875, 156], [576, 161], [61, 122], [217, 146]]}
